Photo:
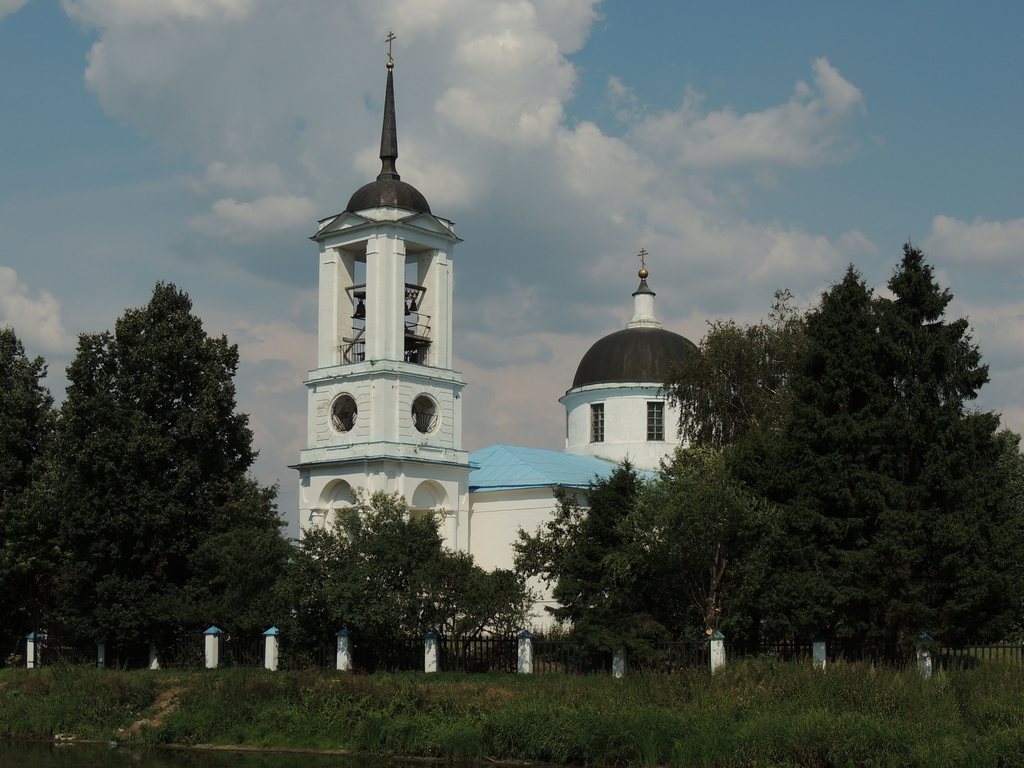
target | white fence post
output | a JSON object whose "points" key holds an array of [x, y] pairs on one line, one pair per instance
{"points": [[430, 651], [819, 652], [717, 651], [212, 646], [101, 655], [924, 654], [154, 657], [270, 649], [619, 662], [32, 642], [344, 656], [524, 666]]}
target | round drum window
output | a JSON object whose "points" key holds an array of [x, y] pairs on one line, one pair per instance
{"points": [[424, 414], [343, 413]]}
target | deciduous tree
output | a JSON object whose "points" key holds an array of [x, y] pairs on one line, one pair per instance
{"points": [[26, 423], [149, 462], [739, 383], [385, 576]]}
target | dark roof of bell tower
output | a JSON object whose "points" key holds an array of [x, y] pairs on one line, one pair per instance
{"points": [[388, 190]]}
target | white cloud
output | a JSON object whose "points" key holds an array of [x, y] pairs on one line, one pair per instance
{"points": [[511, 78], [977, 243], [114, 13], [261, 177], [7, 7], [35, 319], [279, 105], [246, 221], [809, 129]]}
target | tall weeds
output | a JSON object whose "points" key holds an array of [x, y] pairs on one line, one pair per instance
{"points": [[752, 713]]}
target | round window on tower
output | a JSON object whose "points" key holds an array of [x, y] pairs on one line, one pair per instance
{"points": [[424, 414], [343, 413]]}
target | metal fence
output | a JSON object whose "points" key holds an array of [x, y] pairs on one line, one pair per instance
{"points": [[568, 656], [492, 654], [396, 655], [671, 656], [478, 654], [183, 651], [970, 656], [781, 651]]}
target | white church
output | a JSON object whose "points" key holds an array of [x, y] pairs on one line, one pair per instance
{"points": [[385, 405]]}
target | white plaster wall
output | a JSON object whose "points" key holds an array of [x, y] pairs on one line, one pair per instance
{"points": [[496, 518], [625, 423]]}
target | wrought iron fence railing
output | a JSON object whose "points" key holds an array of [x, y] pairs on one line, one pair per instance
{"points": [[478, 654]]}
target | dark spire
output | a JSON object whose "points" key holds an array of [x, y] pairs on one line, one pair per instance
{"points": [[388, 191], [389, 131]]}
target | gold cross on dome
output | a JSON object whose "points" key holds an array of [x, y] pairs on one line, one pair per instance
{"points": [[391, 36]]}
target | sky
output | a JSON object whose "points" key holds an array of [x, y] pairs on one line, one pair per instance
{"points": [[747, 146]]}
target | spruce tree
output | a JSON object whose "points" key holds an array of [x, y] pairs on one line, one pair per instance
{"points": [[899, 512], [949, 536]]}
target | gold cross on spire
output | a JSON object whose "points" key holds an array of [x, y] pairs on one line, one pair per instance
{"points": [[643, 263], [391, 36]]}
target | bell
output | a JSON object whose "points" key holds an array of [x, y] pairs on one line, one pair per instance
{"points": [[360, 313], [412, 306]]}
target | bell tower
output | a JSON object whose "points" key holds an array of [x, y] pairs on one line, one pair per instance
{"points": [[384, 405]]}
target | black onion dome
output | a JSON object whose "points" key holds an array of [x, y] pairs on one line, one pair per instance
{"points": [[388, 193], [633, 354]]}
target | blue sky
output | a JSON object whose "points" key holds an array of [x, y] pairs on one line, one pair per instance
{"points": [[748, 146]]}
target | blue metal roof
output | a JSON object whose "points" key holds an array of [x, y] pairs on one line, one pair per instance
{"points": [[508, 467]]}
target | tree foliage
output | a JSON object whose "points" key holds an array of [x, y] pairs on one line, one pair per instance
{"points": [[384, 575], [26, 424], [26, 416], [637, 560], [895, 508], [581, 554], [703, 536], [149, 462], [739, 383]]}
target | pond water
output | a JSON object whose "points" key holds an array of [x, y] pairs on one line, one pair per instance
{"points": [[36, 755]]}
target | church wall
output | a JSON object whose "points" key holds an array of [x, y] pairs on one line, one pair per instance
{"points": [[625, 423], [496, 518]]}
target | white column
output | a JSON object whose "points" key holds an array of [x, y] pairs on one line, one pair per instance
{"points": [[212, 647], [431, 642], [819, 652], [328, 332], [619, 663], [717, 651], [435, 271], [270, 649], [385, 298], [524, 665], [32, 642], [344, 655], [924, 655], [154, 658]]}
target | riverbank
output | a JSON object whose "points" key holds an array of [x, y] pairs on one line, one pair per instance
{"points": [[750, 714]]}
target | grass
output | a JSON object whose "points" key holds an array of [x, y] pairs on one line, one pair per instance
{"points": [[754, 713]]}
